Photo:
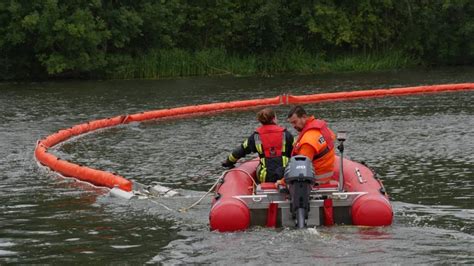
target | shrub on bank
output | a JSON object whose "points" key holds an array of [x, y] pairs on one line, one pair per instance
{"points": [[179, 63]]}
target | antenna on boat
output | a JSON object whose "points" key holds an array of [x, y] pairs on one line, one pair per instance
{"points": [[341, 137]]}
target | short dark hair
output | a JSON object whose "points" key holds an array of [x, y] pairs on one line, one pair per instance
{"points": [[298, 110], [266, 116]]}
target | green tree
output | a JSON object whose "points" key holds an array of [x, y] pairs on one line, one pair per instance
{"points": [[63, 37], [354, 25], [441, 31], [162, 21], [257, 27], [94, 37]]}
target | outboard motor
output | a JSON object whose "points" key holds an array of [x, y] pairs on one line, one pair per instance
{"points": [[299, 177]]}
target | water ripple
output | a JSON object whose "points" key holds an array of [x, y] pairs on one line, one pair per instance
{"points": [[421, 146]]}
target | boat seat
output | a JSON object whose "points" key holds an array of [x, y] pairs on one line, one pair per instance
{"points": [[268, 186], [271, 185], [331, 184]]}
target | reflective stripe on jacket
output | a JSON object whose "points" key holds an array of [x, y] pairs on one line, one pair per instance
{"points": [[270, 142]]}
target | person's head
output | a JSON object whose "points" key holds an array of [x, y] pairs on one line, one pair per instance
{"points": [[266, 116], [297, 117]]}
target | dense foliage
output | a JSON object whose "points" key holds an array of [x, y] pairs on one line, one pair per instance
{"points": [[41, 38]]}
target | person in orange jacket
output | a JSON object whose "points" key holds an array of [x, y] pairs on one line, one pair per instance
{"points": [[315, 141], [273, 144]]}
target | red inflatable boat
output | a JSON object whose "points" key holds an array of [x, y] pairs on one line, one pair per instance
{"points": [[241, 203]]}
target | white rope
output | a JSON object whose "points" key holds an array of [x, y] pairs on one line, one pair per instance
{"points": [[245, 172], [215, 184], [162, 205]]}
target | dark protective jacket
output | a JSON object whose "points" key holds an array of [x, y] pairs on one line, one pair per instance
{"points": [[274, 145]]}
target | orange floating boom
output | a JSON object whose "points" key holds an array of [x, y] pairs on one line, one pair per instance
{"points": [[102, 178], [337, 96]]}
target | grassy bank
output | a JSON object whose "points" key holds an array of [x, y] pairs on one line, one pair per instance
{"points": [[179, 63]]}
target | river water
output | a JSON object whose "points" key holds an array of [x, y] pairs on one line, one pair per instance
{"points": [[420, 145]]}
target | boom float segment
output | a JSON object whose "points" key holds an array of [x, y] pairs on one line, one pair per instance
{"points": [[106, 179], [337, 96]]}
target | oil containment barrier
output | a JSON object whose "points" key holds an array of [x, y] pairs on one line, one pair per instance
{"points": [[112, 180]]}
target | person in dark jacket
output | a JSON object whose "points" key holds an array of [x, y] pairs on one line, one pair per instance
{"points": [[273, 144]]}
